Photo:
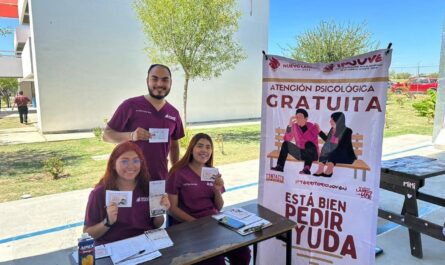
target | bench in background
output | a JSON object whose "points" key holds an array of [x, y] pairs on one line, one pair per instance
{"points": [[357, 144]]}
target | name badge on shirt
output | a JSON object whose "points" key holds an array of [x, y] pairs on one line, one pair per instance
{"points": [[158, 135]]}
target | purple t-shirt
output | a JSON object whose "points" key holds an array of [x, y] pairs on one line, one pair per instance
{"points": [[195, 197], [138, 112], [130, 222]]}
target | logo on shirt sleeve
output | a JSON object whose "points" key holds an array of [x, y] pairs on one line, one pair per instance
{"points": [[170, 117], [142, 199]]}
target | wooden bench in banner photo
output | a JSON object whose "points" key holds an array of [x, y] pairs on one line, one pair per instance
{"points": [[357, 144]]}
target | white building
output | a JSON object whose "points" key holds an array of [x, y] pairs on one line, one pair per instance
{"points": [[81, 59]]}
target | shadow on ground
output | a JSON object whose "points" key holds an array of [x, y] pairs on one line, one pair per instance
{"points": [[27, 161]]}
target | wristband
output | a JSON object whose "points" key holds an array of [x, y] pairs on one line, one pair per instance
{"points": [[131, 136], [107, 222]]}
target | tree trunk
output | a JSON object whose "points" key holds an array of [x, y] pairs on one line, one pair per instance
{"points": [[184, 98]]}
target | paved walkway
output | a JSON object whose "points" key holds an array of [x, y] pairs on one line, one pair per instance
{"points": [[30, 133], [43, 230]]}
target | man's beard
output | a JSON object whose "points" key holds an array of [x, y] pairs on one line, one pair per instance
{"points": [[159, 97]]}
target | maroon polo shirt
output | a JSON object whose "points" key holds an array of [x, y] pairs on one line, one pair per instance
{"points": [[138, 112]]}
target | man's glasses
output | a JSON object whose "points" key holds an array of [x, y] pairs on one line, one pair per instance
{"points": [[126, 162]]}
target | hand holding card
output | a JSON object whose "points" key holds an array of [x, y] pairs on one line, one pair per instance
{"points": [[209, 173], [157, 198], [120, 198], [158, 135]]}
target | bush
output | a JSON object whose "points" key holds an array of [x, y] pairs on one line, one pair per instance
{"points": [[98, 133], [427, 106], [219, 140], [184, 141], [54, 165]]}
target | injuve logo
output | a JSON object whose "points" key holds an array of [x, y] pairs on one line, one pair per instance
{"points": [[274, 63]]}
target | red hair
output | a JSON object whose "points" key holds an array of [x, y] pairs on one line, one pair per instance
{"points": [[110, 176], [188, 156]]}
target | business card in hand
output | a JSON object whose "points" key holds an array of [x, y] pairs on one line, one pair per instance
{"points": [[121, 198], [209, 173], [157, 190], [158, 135]]}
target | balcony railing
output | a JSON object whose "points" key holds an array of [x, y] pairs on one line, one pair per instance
{"points": [[23, 11], [20, 36], [10, 64], [27, 63]]}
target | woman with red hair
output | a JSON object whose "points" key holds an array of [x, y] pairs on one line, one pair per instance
{"points": [[126, 171]]}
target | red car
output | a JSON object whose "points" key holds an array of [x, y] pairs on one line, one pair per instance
{"points": [[415, 85]]}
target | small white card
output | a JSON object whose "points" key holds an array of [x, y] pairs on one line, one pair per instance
{"points": [[209, 173], [238, 213], [158, 135], [121, 198], [157, 190], [159, 237]]}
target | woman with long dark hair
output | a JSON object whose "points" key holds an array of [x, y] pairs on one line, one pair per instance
{"points": [[192, 198], [337, 147], [126, 171]]}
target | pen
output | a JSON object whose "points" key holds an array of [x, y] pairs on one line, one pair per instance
{"points": [[132, 256]]}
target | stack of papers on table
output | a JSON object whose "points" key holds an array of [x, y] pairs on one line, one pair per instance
{"points": [[159, 237], [140, 248], [134, 250], [242, 221]]}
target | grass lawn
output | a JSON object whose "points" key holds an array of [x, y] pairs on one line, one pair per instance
{"points": [[21, 166], [9, 123], [401, 118]]}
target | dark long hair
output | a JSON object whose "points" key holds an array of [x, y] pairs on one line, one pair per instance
{"points": [[188, 156], [109, 180], [340, 123]]}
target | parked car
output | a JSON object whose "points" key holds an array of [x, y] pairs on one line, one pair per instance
{"points": [[415, 85]]}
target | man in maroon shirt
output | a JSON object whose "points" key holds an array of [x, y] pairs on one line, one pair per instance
{"points": [[151, 122], [22, 105]]}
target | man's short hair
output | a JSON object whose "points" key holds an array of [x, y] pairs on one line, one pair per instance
{"points": [[160, 65], [20, 92], [302, 111]]}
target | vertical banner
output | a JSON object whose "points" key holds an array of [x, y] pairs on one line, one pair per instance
{"points": [[321, 144]]}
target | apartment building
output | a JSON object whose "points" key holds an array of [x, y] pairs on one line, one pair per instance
{"points": [[81, 59]]}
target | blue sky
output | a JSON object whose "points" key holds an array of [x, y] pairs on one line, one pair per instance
{"points": [[7, 43], [414, 27]]}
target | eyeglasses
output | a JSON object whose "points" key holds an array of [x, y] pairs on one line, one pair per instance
{"points": [[126, 162]]}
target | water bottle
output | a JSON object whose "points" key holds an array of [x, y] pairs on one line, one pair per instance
{"points": [[86, 250]]}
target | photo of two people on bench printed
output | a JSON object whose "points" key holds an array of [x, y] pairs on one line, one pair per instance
{"points": [[305, 142]]}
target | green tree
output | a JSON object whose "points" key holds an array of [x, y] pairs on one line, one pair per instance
{"points": [[5, 31], [392, 74], [197, 35], [427, 106], [403, 75], [8, 87], [435, 74], [332, 41]]}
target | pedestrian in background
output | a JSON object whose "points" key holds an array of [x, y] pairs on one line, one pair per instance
{"points": [[22, 105]]}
